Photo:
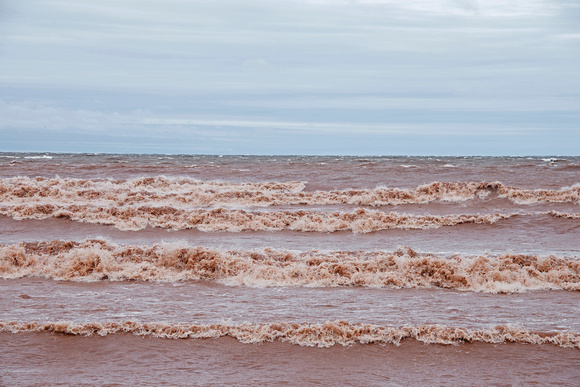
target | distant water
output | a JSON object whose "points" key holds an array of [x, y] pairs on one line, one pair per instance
{"points": [[180, 270]]}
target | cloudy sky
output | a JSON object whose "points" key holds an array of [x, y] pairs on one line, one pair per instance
{"points": [[375, 77]]}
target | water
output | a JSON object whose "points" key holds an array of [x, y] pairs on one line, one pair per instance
{"points": [[183, 270]]}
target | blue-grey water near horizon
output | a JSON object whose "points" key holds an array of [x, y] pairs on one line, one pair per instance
{"points": [[300, 270]]}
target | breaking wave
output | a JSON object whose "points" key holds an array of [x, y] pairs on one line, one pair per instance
{"points": [[557, 214], [93, 260], [176, 192], [325, 334], [359, 220]]}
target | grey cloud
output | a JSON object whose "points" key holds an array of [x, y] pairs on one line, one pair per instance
{"points": [[381, 67]]}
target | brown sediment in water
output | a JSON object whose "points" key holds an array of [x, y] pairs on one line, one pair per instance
{"points": [[472, 197], [359, 220], [93, 260], [176, 192], [324, 334], [557, 214]]}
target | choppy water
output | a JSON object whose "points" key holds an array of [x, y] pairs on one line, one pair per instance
{"points": [[299, 270]]}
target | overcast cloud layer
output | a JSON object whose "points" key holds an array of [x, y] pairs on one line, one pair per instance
{"points": [[382, 77]]}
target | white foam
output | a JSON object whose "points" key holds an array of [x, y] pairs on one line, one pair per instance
{"points": [[38, 157]]}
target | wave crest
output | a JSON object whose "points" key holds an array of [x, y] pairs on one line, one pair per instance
{"points": [[190, 192], [93, 260], [325, 334], [359, 220]]}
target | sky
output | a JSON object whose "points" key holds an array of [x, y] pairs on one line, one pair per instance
{"points": [[373, 77]]}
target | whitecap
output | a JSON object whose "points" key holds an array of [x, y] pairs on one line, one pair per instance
{"points": [[38, 157], [552, 160]]}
